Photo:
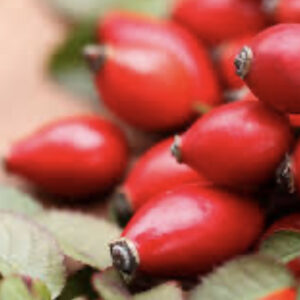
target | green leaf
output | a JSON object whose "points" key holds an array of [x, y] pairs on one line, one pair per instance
{"points": [[250, 277], [157, 8], [28, 250], [169, 290], [15, 201], [14, 288], [79, 284], [282, 245], [81, 237], [78, 10], [67, 65], [110, 286]]}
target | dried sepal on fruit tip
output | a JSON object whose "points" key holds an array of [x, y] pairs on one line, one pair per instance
{"points": [[256, 276], [175, 148], [125, 257], [269, 6], [121, 209], [95, 56], [284, 175], [243, 61]]}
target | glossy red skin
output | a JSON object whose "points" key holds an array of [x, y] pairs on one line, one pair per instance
{"points": [[160, 70], [287, 294], [219, 20], [273, 75], [289, 223], [293, 118], [287, 11], [155, 172], [190, 229], [226, 56], [237, 145], [73, 157]]}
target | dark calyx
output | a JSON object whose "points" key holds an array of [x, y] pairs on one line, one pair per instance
{"points": [[285, 177], [124, 256], [121, 208]]}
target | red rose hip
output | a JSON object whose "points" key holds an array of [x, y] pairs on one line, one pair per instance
{"points": [[270, 66], [151, 73], [155, 172], [286, 294], [72, 157], [237, 145], [219, 20], [187, 231], [283, 11]]}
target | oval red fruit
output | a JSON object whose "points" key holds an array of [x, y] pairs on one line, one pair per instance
{"points": [[219, 20], [155, 172], [72, 157], [237, 145], [187, 231], [269, 65], [283, 11], [152, 73], [286, 294]]}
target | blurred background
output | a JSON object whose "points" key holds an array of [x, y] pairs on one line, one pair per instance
{"points": [[42, 74]]}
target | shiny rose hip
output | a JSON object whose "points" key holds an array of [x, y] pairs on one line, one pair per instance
{"points": [[155, 172], [73, 157], [151, 73], [283, 11], [187, 231], [270, 66], [220, 20], [238, 145]]}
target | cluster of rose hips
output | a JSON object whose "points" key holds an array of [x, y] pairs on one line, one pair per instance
{"points": [[192, 196]]}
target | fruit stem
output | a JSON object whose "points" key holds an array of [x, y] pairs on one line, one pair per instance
{"points": [[124, 256], [95, 56], [175, 148], [243, 61]]}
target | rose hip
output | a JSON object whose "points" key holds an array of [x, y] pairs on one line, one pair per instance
{"points": [[237, 145], [283, 11], [152, 73], [155, 172], [72, 157], [219, 20], [187, 231], [269, 65]]}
